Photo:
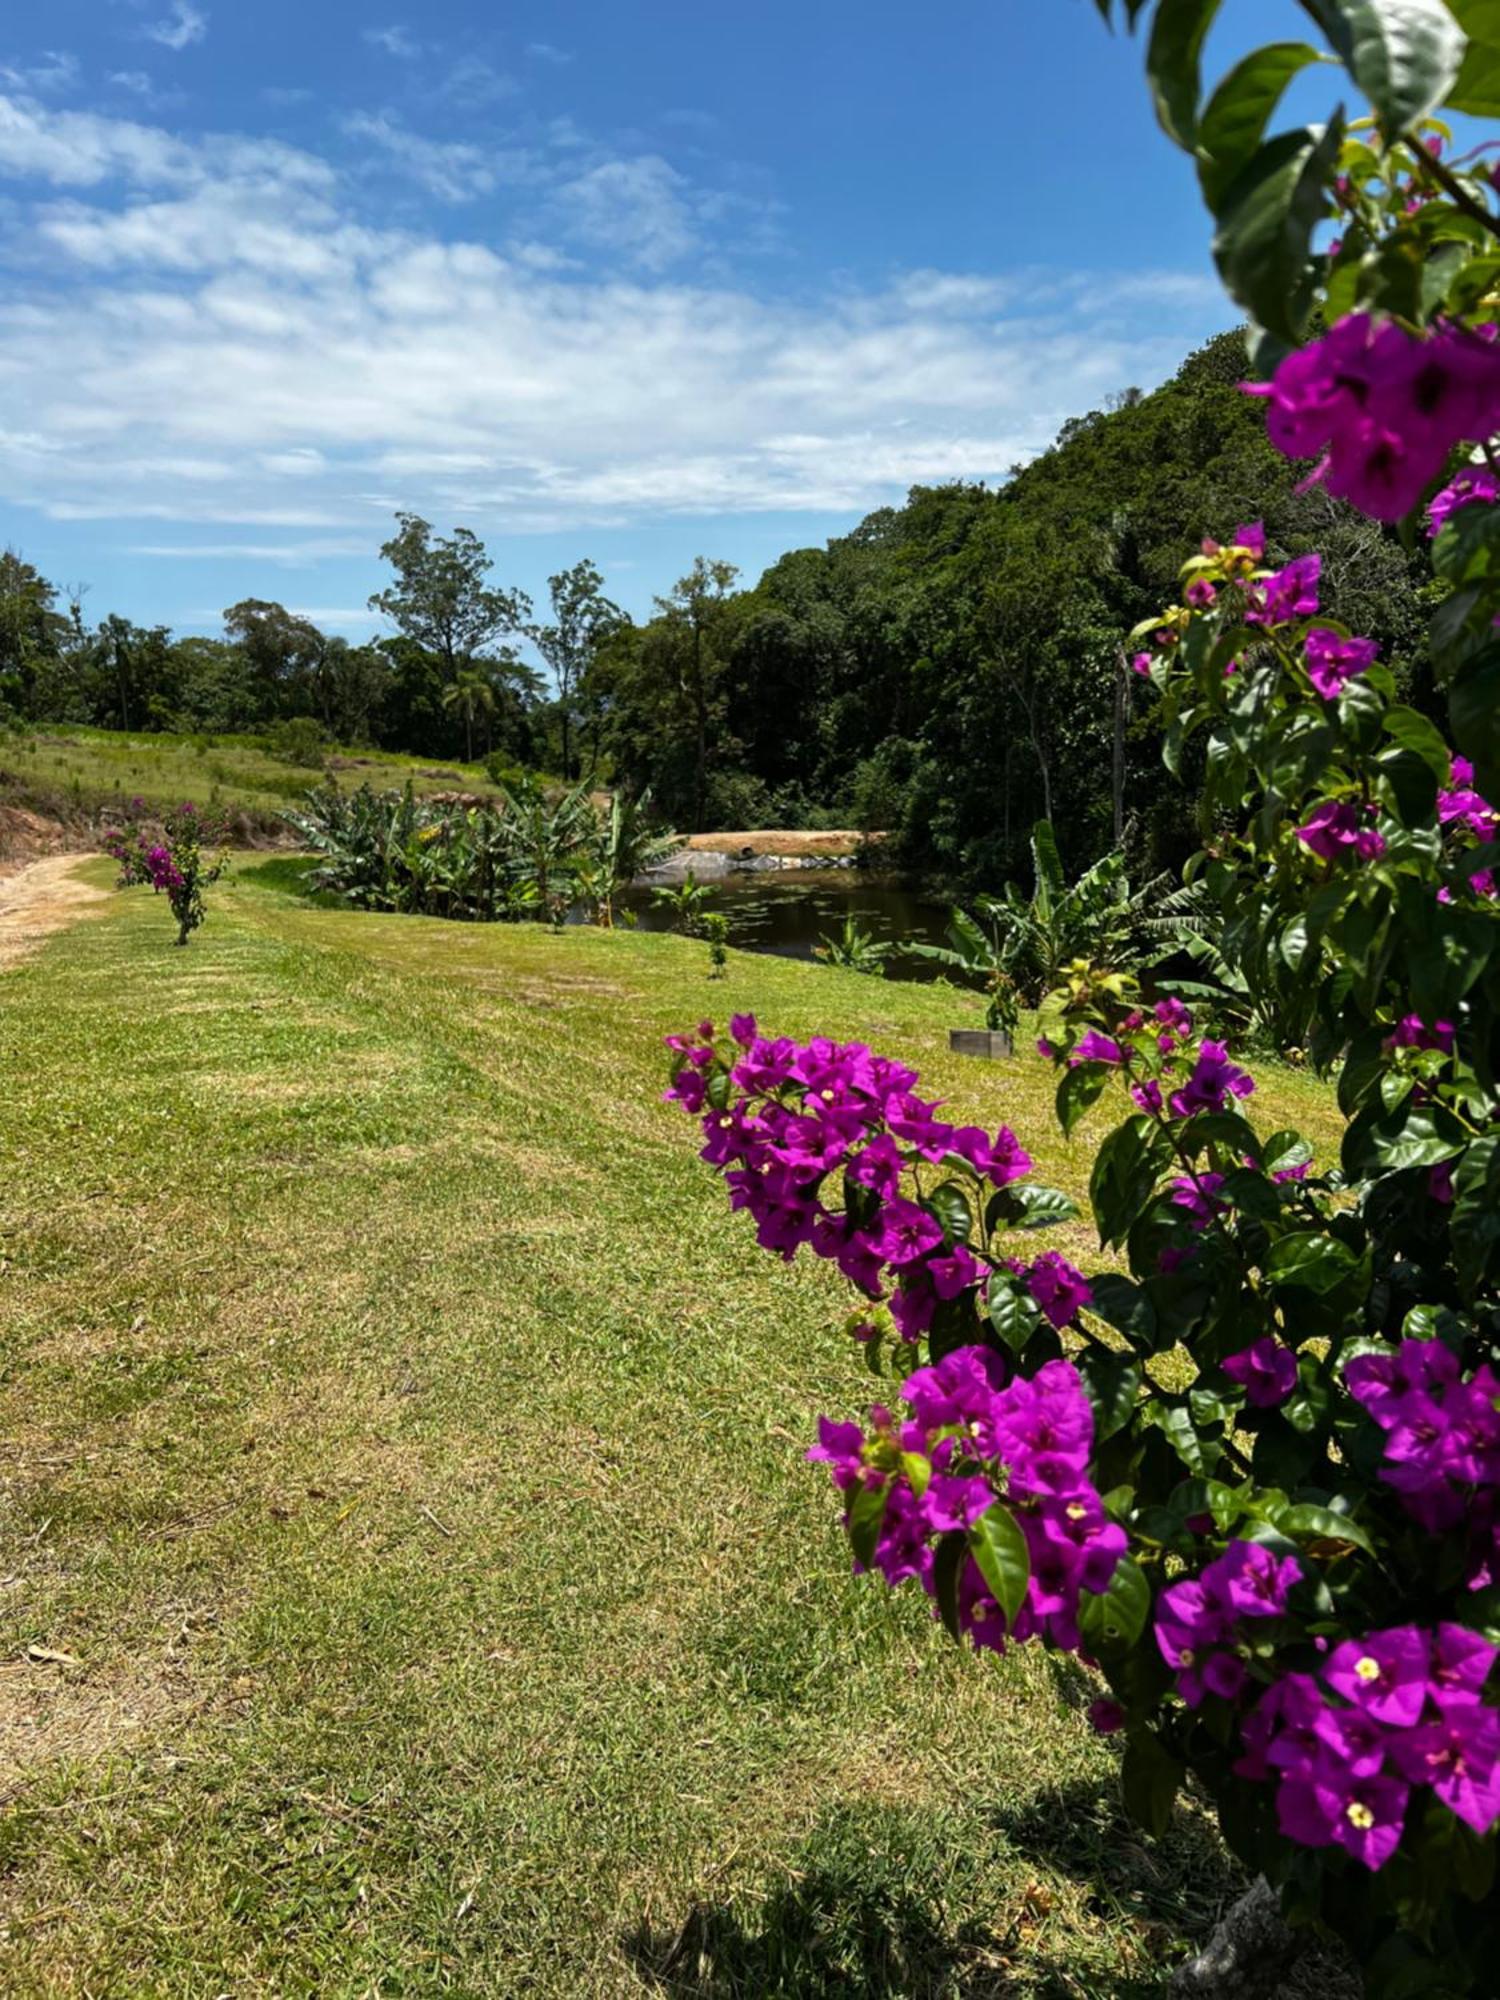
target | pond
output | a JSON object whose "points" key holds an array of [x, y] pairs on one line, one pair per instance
{"points": [[788, 911]]}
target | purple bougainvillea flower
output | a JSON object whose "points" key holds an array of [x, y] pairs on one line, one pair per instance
{"points": [[1365, 1816], [1458, 1754], [1195, 1196], [1332, 661], [1215, 1079], [742, 1029], [1384, 1673], [1059, 1288], [1476, 484], [1336, 829], [1287, 594], [1266, 1371], [1096, 1047], [1106, 1715], [905, 1234], [1000, 1160]]}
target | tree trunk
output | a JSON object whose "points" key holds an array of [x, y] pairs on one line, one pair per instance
{"points": [[1248, 1955], [469, 734], [567, 765]]}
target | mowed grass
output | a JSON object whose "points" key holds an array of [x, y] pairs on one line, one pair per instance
{"points": [[409, 1578], [99, 767]]}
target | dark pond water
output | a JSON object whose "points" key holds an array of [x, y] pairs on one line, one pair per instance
{"points": [[788, 911]]}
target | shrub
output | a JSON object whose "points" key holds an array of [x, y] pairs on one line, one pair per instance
{"points": [[1254, 1478], [172, 866]]}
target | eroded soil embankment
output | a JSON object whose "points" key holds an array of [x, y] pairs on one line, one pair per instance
{"points": [[43, 897]]}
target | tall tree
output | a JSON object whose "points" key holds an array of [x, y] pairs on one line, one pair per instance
{"points": [[583, 617], [690, 615], [440, 597], [286, 653]]}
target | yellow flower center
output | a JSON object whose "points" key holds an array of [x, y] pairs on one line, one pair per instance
{"points": [[1367, 1669], [1186, 1657], [828, 1097], [1077, 1511], [1359, 1814]]}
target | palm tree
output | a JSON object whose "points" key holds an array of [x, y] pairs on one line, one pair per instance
{"points": [[470, 693]]}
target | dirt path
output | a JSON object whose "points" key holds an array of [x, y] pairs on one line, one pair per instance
{"points": [[41, 899]]}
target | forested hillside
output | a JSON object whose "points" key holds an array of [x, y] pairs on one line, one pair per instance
{"points": [[950, 671], [953, 669]]}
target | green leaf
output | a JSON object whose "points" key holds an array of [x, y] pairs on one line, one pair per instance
{"points": [[1013, 1311], [1113, 1619], [1125, 1175], [1410, 1136], [948, 1560], [866, 1515], [1266, 222], [1474, 708], [1079, 1088], [949, 1204], [1311, 1260], [1113, 1383], [1413, 731], [1150, 1777], [1026, 1206], [1121, 1303], [1307, 1523], [1405, 55], [1198, 1454], [1475, 1221], [998, 1546], [1235, 118], [1172, 57], [1477, 90]]}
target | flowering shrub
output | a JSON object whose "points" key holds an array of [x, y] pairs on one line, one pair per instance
{"points": [[1252, 1476], [172, 866]]}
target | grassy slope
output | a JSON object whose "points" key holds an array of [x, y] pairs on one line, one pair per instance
{"points": [[407, 1446], [96, 767]]}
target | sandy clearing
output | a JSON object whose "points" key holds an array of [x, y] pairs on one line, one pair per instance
{"points": [[41, 899]]}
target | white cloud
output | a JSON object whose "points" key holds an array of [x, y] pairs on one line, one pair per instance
{"points": [[396, 41], [473, 84], [52, 70], [208, 333], [548, 52], [446, 168], [290, 554], [185, 25], [637, 208]]}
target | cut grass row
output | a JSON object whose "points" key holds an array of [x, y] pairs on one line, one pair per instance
{"points": [[402, 1448]]}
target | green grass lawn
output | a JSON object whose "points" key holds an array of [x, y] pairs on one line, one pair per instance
{"points": [[94, 768], [402, 1446]]}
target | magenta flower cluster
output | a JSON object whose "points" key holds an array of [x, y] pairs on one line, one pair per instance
{"points": [[1382, 409], [1442, 1441], [1381, 1716], [1201, 1623], [800, 1114], [976, 1435]]}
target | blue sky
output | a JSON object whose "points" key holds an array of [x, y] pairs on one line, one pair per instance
{"points": [[627, 281]]}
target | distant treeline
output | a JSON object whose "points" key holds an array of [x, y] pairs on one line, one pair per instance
{"points": [[951, 671]]}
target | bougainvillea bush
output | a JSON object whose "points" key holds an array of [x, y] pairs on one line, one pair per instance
{"points": [[1250, 1469], [172, 866]]}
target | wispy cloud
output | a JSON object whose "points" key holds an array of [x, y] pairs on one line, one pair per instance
{"points": [[54, 70], [548, 52], [222, 342], [472, 84], [185, 25], [446, 168], [396, 41]]}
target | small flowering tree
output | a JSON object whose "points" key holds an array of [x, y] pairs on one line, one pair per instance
{"points": [[1253, 1476], [172, 866]]}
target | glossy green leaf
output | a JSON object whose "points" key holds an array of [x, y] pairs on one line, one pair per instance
{"points": [[1235, 118], [1013, 1312], [1307, 1523], [1115, 1618], [1405, 55], [998, 1546], [1125, 1174], [1310, 1260], [1413, 731], [1475, 1221], [1477, 89], [1474, 708], [1026, 1206], [1121, 1303], [1266, 221], [866, 1514], [1079, 1088], [949, 1204], [1172, 64], [1113, 1385], [948, 1560]]}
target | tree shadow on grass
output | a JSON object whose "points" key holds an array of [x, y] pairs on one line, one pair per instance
{"points": [[871, 1916], [288, 873]]}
